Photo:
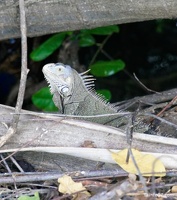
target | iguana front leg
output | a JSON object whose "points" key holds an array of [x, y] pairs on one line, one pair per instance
{"points": [[63, 107], [58, 101]]}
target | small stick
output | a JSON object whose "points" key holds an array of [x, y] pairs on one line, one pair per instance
{"points": [[149, 90], [24, 71], [167, 106]]}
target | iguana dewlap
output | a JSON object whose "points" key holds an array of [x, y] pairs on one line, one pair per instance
{"points": [[73, 94]]}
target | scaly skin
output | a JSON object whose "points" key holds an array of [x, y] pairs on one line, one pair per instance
{"points": [[73, 95]]}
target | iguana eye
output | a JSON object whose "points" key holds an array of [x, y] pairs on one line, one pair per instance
{"points": [[59, 69]]}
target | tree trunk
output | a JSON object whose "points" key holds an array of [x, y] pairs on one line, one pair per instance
{"points": [[51, 16]]}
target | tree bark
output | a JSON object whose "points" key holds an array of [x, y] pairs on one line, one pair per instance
{"points": [[51, 16]]}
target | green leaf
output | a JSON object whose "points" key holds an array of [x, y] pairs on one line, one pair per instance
{"points": [[105, 93], [48, 47], [160, 25], [43, 100], [86, 40], [107, 30], [25, 197], [107, 68], [70, 33]]}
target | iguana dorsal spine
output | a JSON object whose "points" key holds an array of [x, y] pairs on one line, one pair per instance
{"points": [[76, 93]]}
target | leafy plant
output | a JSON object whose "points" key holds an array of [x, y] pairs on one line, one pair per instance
{"points": [[86, 40], [25, 197], [108, 30], [43, 99], [160, 25], [48, 47], [106, 68], [106, 94], [84, 36]]}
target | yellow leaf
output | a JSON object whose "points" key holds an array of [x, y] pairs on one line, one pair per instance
{"points": [[174, 189], [68, 186], [146, 163]]}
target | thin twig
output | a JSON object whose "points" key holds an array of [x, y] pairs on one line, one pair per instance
{"points": [[5, 164], [149, 90], [138, 170], [167, 106], [44, 176], [99, 49], [16, 164], [24, 71], [160, 119], [164, 109]]}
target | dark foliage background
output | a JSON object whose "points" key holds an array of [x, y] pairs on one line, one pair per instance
{"points": [[147, 48]]}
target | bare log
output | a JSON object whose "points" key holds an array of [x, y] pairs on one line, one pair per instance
{"points": [[51, 16], [37, 129], [59, 135]]}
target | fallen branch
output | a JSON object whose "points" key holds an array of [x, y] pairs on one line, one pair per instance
{"points": [[58, 135]]}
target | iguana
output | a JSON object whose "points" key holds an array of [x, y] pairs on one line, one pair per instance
{"points": [[74, 93]]}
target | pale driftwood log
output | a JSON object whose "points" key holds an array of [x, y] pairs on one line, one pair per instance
{"points": [[37, 129], [51, 16], [45, 133]]}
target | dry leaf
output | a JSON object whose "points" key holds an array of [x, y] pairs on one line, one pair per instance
{"points": [[174, 189], [146, 163], [68, 186]]}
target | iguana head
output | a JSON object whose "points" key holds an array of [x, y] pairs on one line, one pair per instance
{"points": [[59, 77]]}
